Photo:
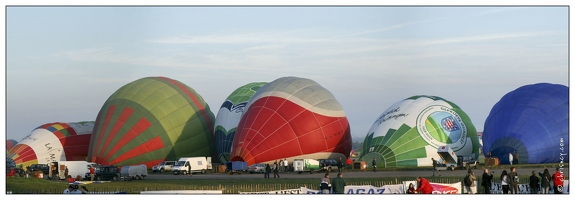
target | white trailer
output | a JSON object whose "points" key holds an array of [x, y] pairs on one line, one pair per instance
{"points": [[134, 172], [75, 168], [304, 165], [448, 157], [196, 164]]}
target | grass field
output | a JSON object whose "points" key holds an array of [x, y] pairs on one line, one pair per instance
{"points": [[21, 185]]}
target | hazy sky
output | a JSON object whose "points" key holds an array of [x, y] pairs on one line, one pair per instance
{"points": [[62, 63]]}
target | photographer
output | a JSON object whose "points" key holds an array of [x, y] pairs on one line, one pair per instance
{"points": [[486, 181]]}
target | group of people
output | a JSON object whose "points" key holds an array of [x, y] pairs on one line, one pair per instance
{"points": [[74, 189], [275, 169], [424, 187], [513, 159], [510, 181], [335, 186]]}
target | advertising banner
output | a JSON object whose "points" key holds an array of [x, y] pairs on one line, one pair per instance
{"points": [[496, 188], [368, 189], [364, 189], [439, 188], [289, 191]]}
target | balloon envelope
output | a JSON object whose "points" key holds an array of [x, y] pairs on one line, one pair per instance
{"points": [[532, 120], [410, 131], [150, 120], [53, 142], [10, 143], [229, 116], [291, 118]]}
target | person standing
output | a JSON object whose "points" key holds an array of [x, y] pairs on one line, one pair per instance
{"points": [[558, 181], [510, 159], [92, 173], [276, 168], [534, 183], [340, 165], [374, 164], [286, 166], [55, 172], [545, 181], [267, 171], [434, 162], [504, 182], [516, 158], [324, 184], [349, 162], [338, 184], [486, 181], [513, 181], [189, 169], [424, 186], [66, 172], [470, 186]]}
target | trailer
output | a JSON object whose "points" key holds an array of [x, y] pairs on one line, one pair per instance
{"points": [[304, 165], [133, 172], [236, 167], [448, 157]]}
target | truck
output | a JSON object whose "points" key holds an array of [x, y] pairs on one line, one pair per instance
{"points": [[75, 168], [197, 164], [133, 172], [448, 157], [236, 167], [304, 165]]}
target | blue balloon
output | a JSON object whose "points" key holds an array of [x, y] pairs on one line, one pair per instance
{"points": [[532, 120]]}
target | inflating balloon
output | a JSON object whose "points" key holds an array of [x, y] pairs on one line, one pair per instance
{"points": [[150, 120], [410, 131], [53, 142], [10, 143], [532, 120], [229, 116], [291, 118]]}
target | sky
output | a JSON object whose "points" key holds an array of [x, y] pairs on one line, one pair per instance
{"points": [[63, 62]]}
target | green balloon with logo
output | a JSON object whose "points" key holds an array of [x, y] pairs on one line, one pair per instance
{"points": [[410, 131]]}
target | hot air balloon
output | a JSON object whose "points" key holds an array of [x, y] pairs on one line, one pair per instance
{"points": [[532, 120], [10, 143], [291, 118], [53, 142], [229, 116], [150, 120], [410, 131]]}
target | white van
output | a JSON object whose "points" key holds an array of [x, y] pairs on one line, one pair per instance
{"points": [[197, 164], [75, 168]]}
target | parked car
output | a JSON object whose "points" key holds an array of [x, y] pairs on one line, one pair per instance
{"points": [[164, 166], [467, 161], [107, 173], [257, 168], [328, 165], [44, 168]]}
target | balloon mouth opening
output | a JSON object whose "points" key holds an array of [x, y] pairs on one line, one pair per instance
{"points": [[237, 158]]}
